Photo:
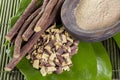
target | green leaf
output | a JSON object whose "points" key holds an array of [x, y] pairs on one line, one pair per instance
{"points": [[14, 19], [28, 71], [103, 62], [117, 39], [86, 60], [84, 67], [22, 6]]}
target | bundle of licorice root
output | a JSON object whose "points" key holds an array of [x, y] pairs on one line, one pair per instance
{"points": [[29, 27]]}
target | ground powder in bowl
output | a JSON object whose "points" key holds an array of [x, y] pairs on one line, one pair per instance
{"points": [[97, 14]]}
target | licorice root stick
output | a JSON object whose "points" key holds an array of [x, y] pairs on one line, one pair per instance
{"points": [[18, 40], [49, 8], [25, 49], [31, 7], [34, 38], [29, 32]]}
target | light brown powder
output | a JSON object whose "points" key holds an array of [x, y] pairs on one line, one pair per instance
{"points": [[97, 14]]}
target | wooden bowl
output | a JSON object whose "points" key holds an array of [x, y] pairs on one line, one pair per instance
{"points": [[69, 21]]}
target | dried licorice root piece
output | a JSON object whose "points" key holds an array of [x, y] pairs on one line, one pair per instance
{"points": [[28, 33], [18, 40], [48, 10], [31, 7]]}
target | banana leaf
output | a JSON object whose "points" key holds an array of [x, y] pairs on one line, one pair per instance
{"points": [[86, 62]]}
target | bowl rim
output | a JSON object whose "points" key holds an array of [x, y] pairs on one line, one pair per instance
{"points": [[68, 19]]}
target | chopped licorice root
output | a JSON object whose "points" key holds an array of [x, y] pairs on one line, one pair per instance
{"points": [[47, 58]]}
